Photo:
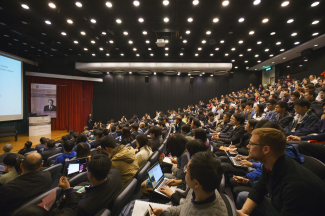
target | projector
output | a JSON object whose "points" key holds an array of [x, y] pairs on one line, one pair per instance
{"points": [[160, 42]]}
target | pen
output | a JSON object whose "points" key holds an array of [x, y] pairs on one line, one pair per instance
{"points": [[151, 208]]}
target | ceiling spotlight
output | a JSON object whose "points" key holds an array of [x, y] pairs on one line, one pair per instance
{"points": [[281, 50], [188, 32], [285, 3], [290, 21], [119, 21], [211, 75], [111, 41], [130, 42], [166, 54], [266, 50], [144, 32], [190, 19], [189, 74], [52, 5], [256, 2], [136, 3], [166, 48], [251, 32], [78, 4], [48, 22], [93, 54], [249, 49], [184, 41], [225, 3], [178, 73], [195, 2], [122, 54], [138, 54], [222, 41], [271, 55], [103, 33], [130, 71], [259, 42], [233, 49], [316, 45], [256, 56], [166, 2], [294, 34], [203, 72], [25, 6], [278, 43], [69, 21], [258, 61], [316, 33], [215, 20], [241, 20], [85, 49], [101, 48], [92, 41], [306, 60], [181, 54], [200, 75], [208, 32], [236, 67], [265, 20], [241, 41], [226, 54], [315, 4], [199, 48], [296, 43], [204, 41], [134, 49], [315, 22], [284, 57], [233, 60], [76, 42], [166, 19], [147, 41], [109, 4], [151, 54], [166, 41], [272, 33], [196, 54], [240, 55], [211, 54], [93, 20], [141, 20], [125, 33], [149, 48], [246, 61], [63, 33], [154, 73], [216, 48]]}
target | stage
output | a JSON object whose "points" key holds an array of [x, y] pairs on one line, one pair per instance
{"points": [[22, 138]]}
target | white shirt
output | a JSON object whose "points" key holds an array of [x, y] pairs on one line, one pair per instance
{"points": [[314, 81], [214, 109]]}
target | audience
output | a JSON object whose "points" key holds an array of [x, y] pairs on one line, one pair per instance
{"points": [[50, 151], [186, 131], [144, 149], [68, 153], [6, 148], [83, 150], [98, 135], [126, 136], [81, 138], [12, 162], [156, 139], [41, 146], [27, 148]]}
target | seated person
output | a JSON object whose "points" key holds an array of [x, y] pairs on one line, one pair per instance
{"points": [[86, 130], [50, 151], [203, 198], [126, 136], [70, 135], [271, 113], [178, 124], [294, 96], [98, 135], [12, 162], [143, 145], [105, 186], [297, 190], [212, 122], [186, 131], [63, 139], [156, 139], [259, 112], [68, 153], [227, 126], [83, 151], [305, 118], [113, 131], [250, 112], [219, 124], [200, 134], [27, 148], [142, 126], [283, 117], [123, 158], [41, 146], [163, 131], [82, 138], [6, 148], [195, 124], [135, 130], [31, 183]]}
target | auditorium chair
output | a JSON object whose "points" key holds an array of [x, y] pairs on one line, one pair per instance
{"points": [[222, 185], [104, 212], [141, 175], [79, 178], [55, 171], [51, 159], [161, 149], [154, 157], [133, 143], [127, 145], [229, 205], [315, 166], [124, 197]]}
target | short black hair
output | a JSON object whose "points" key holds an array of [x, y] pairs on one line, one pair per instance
{"points": [[98, 133], [68, 145], [302, 103], [143, 140], [206, 168], [161, 123], [64, 138], [105, 132], [196, 122], [200, 134], [310, 86], [99, 166], [271, 101], [176, 144], [239, 117], [155, 130], [51, 144], [267, 92], [32, 165], [311, 92], [186, 128], [195, 146], [283, 104], [113, 129], [228, 114], [252, 122], [42, 140], [82, 138], [211, 114], [296, 94], [322, 89], [135, 126], [28, 144], [11, 159], [108, 142]]}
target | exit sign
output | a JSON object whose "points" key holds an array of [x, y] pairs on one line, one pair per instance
{"points": [[268, 68]]}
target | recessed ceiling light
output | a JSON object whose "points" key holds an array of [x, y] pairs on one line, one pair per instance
{"points": [[149, 48], [63, 33], [316, 45], [272, 33], [25, 6], [166, 19], [265, 20], [251, 32], [236, 67], [196, 54], [109, 4], [52, 5], [144, 32], [272, 62], [23, 22], [101, 48], [285, 3], [78, 4], [200, 48], [208, 32], [195, 2], [141, 20], [241, 41], [166, 41], [166, 54], [211, 54], [181, 54], [258, 61], [147, 41], [200, 75], [188, 32], [211, 75], [215, 20], [281, 50], [284, 57], [240, 55], [136, 3], [184, 41], [233, 49], [151, 54], [48, 22], [294, 34], [296, 43], [266, 50], [93, 54], [315, 22], [165, 2], [190, 19], [256, 2], [59, 42], [226, 54], [130, 42], [315, 4], [233, 60], [92, 41], [134, 49], [111, 41], [69, 21], [119, 21], [290, 21], [249, 49], [204, 41], [259, 42], [316, 33], [256, 56], [203, 72], [217, 48], [130, 71], [122, 54], [107, 54], [85, 49], [306, 60], [93, 20], [166, 48], [278, 43], [125, 33], [241, 20], [225, 3], [222, 41], [138, 54], [43, 42], [103, 33], [246, 61], [271, 55]]}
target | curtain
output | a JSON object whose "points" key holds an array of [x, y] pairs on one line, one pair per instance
{"points": [[74, 102]]}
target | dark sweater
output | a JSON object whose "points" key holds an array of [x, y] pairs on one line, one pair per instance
{"points": [[294, 190]]}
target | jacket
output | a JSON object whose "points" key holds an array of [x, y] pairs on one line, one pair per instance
{"points": [[142, 156], [39, 147], [50, 152], [181, 163], [123, 158], [178, 127], [251, 116], [285, 120], [234, 136], [242, 145], [318, 127], [227, 127], [155, 143], [294, 190], [219, 125], [61, 159], [308, 121]]}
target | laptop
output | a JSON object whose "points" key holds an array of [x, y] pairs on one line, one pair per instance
{"points": [[233, 159], [157, 179], [75, 166]]}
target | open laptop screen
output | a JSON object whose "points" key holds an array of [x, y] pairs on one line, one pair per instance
{"points": [[76, 166], [155, 174]]}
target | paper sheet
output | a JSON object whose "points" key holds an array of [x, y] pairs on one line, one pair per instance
{"points": [[48, 201], [140, 207], [167, 160]]}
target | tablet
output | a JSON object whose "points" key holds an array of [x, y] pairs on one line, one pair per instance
{"points": [[76, 166]]}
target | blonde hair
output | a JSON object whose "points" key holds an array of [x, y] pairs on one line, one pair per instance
{"points": [[273, 138]]}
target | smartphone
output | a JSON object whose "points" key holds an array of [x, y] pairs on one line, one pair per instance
{"points": [[82, 190]]}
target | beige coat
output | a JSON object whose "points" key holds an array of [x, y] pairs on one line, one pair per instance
{"points": [[143, 155]]}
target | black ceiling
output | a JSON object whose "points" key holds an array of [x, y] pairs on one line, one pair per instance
{"points": [[24, 32]]}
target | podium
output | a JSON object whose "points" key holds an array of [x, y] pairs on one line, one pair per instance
{"points": [[39, 125]]}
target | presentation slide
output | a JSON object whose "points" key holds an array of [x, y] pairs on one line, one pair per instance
{"points": [[11, 89]]}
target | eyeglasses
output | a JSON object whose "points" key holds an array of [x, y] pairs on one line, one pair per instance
{"points": [[250, 143]]}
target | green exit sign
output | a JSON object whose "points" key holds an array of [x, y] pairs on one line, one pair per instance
{"points": [[268, 68]]}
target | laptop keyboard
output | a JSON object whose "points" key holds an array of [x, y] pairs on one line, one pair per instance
{"points": [[162, 184]]}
